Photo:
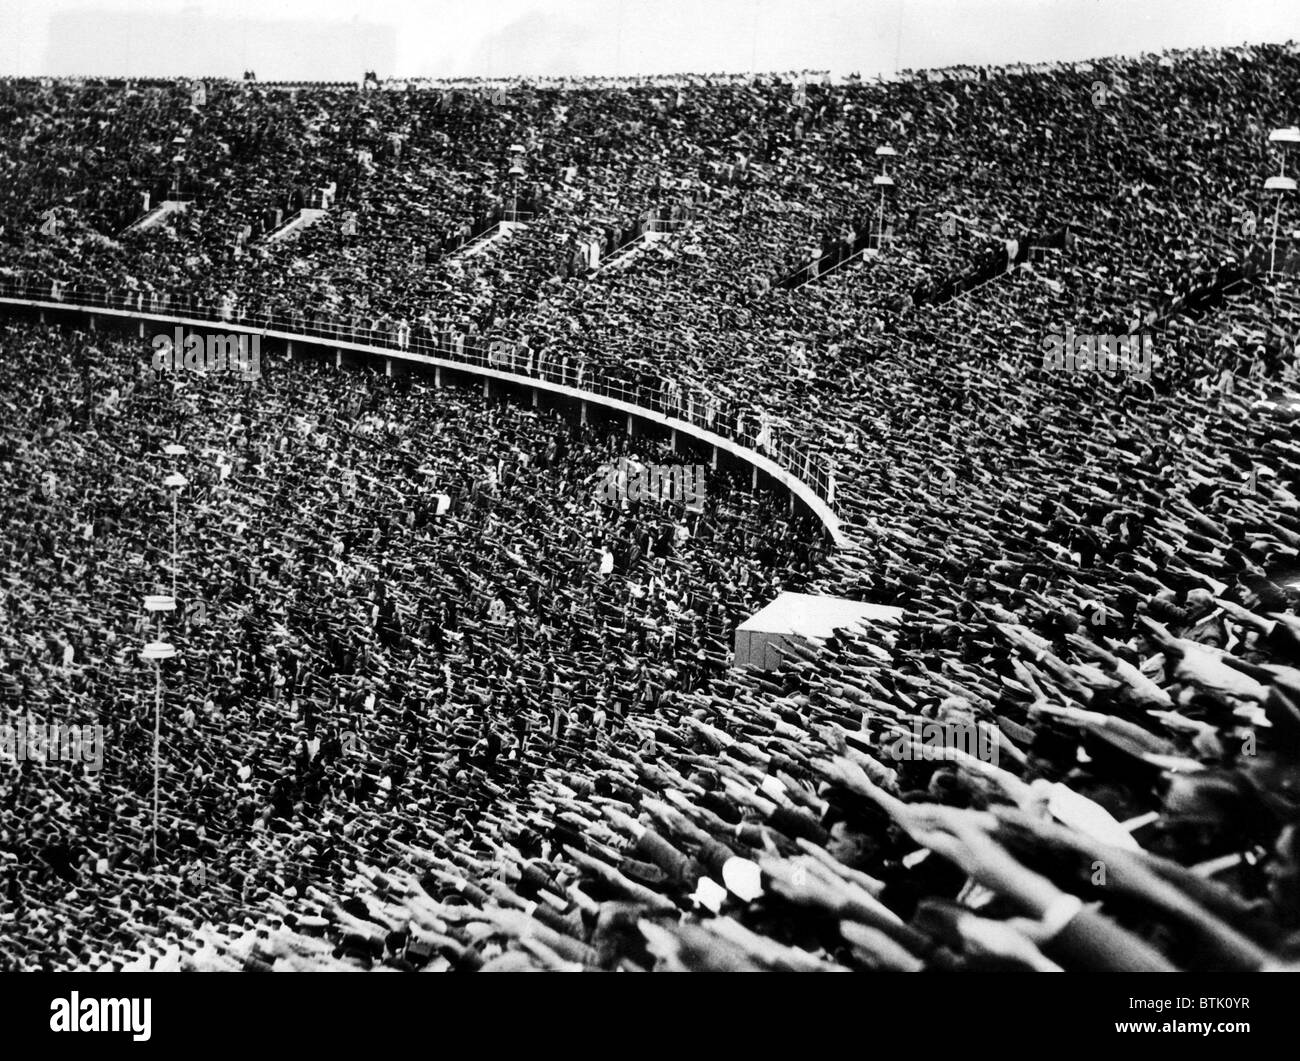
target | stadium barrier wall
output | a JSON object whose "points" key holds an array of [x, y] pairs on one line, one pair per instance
{"points": [[636, 401]]}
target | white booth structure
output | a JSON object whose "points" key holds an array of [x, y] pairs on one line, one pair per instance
{"points": [[808, 619]]}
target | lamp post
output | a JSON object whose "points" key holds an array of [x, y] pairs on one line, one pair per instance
{"points": [[175, 482], [517, 152], [1281, 183], [1289, 135], [158, 650], [178, 159], [882, 181], [155, 652]]}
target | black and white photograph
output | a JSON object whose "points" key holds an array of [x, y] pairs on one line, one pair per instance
{"points": [[613, 486]]}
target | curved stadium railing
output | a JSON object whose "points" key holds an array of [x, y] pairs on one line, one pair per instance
{"points": [[693, 407]]}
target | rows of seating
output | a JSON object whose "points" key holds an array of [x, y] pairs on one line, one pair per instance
{"points": [[1097, 568]]}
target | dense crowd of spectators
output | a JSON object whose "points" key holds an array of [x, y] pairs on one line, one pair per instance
{"points": [[1098, 570], [406, 605]]}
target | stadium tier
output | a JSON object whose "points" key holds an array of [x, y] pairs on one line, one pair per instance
{"points": [[421, 678]]}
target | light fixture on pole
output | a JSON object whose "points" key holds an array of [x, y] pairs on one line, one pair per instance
{"points": [[157, 603], [178, 145], [516, 172], [1284, 137], [1280, 185], [1289, 135], [160, 602], [882, 181], [155, 652], [175, 483]]}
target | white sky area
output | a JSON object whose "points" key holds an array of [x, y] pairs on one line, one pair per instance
{"points": [[337, 39]]}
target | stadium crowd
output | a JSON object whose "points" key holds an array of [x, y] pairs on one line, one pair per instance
{"points": [[505, 735]]}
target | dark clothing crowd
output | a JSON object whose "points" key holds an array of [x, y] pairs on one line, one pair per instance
{"points": [[440, 703]]}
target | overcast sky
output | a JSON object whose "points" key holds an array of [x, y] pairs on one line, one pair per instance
{"points": [[338, 39]]}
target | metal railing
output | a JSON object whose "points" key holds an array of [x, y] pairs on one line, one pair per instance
{"points": [[865, 241], [655, 221], [738, 423]]}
